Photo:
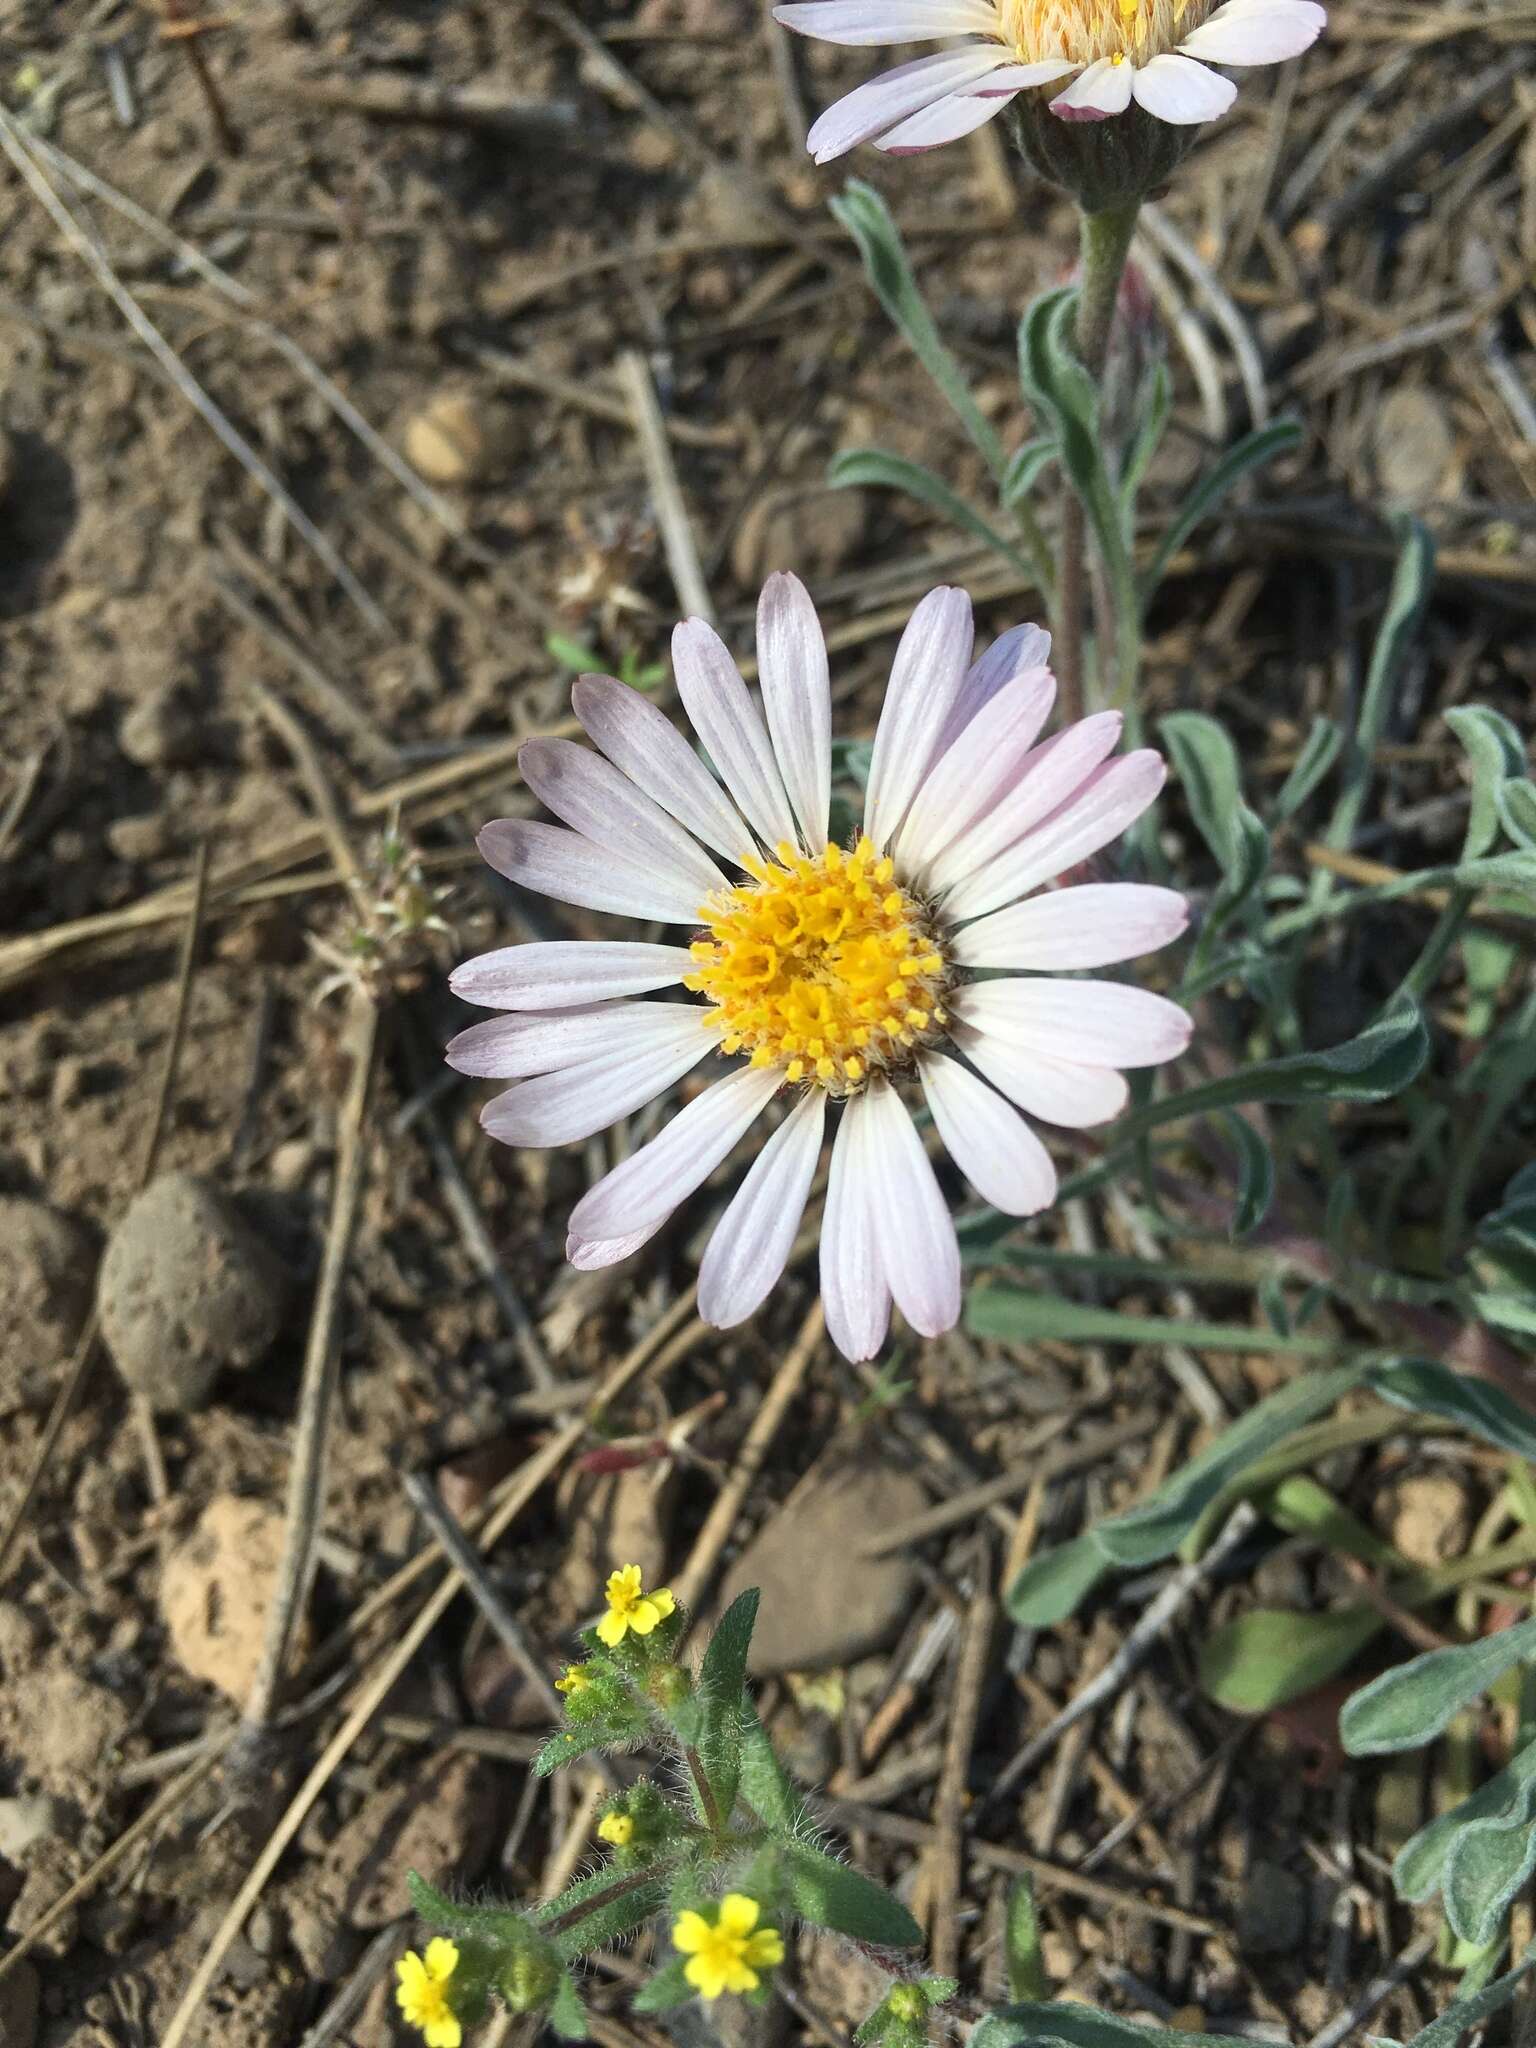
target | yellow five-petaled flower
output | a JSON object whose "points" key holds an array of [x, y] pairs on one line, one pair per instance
{"points": [[617, 1828], [727, 1953], [631, 1607], [422, 1993]]}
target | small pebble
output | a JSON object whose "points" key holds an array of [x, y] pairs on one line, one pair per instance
{"points": [[161, 731], [456, 439], [186, 1289]]}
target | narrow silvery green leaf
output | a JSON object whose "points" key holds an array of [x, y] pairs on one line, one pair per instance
{"points": [[1517, 811], [1413, 1703], [1421, 1861], [1466, 2012], [1411, 583], [1489, 1862], [1269, 1655], [1056, 1583], [1478, 1405], [1157, 1528], [1026, 466], [1494, 752], [1319, 751], [859, 466], [1251, 453], [1372, 1067], [1081, 2026], [1255, 1174], [1205, 762], [1020, 1317], [867, 218], [1149, 434]]}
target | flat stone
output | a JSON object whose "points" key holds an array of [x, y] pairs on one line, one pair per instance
{"points": [[186, 1289], [823, 1603]]}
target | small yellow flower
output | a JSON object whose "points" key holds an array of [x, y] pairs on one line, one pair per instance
{"points": [[422, 1993], [726, 1954], [617, 1828], [575, 1680], [631, 1607]]}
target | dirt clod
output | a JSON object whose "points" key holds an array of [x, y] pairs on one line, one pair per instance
{"points": [[216, 1590], [1272, 1918], [161, 731], [24, 1821], [46, 1264], [811, 1616], [186, 1289], [456, 439]]}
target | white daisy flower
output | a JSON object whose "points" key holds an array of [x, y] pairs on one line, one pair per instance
{"points": [[826, 977], [1152, 52]]}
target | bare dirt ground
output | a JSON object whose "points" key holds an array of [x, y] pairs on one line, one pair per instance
{"points": [[468, 217]]}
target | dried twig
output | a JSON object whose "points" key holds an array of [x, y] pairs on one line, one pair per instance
{"points": [[677, 534], [946, 1861]]}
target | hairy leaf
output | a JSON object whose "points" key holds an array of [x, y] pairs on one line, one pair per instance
{"points": [[1412, 1704]]}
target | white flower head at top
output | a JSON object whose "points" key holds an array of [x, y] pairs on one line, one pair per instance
{"points": [[1153, 53], [825, 978]]}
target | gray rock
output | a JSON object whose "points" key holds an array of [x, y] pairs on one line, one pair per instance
{"points": [[47, 1264], [25, 1820], [186, 1289], [1272, 1918], [823, 1603]]}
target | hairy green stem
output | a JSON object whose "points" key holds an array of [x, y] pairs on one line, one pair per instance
{"points": [[1106, 242], [619, 1889]]}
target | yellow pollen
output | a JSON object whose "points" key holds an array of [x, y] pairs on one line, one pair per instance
{"points": [[1082, 32], [824, 966]]}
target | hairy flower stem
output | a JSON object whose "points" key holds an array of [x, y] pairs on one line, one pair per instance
{"points": [[707, 1799], [1106, 242], [621, 1889]]}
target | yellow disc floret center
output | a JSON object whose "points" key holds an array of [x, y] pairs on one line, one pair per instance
{"points": [[1083, 31], [824, 966]]}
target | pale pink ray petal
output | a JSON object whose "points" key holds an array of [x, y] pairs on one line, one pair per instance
{"points": [[973, 774], [797, 696], [1181, 92], [1060, 1092], [874, 22], [653, 1181], [896, 95], [1112, 798], [639, 738], [597, 800], [918, 1249], [1096, 924], [930, 665], [987, 1138], [556, 974], [511, 1047], [571, 869], [557, 1109], [1012, 78], [1095, 94], [589, 1255], [726, 720], [1045, 780], [854, 1291], [751, 1243], [1012, 655], [945, 121], [1097, 1023], [1256, 32]]}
